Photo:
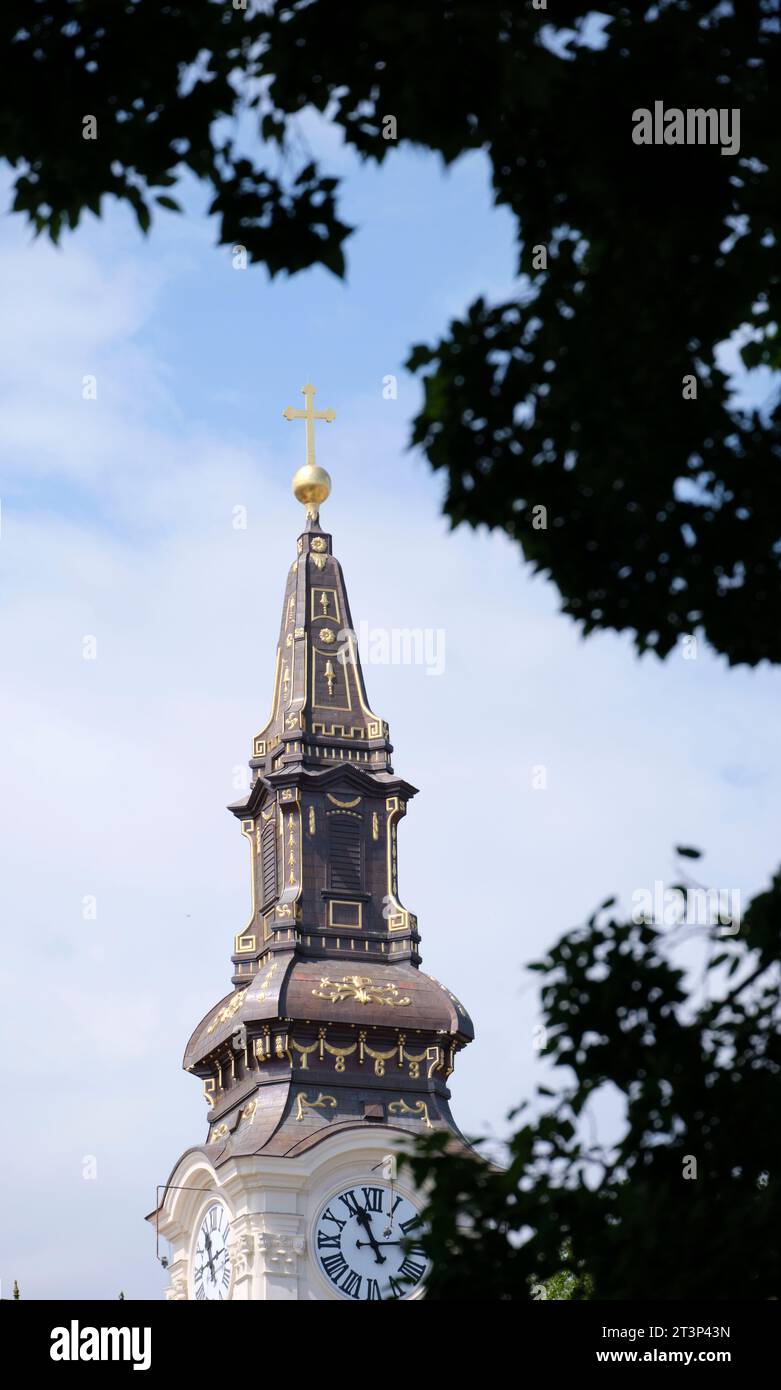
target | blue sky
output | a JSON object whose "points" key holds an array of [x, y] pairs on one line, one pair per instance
{"points": [[117, 524]]}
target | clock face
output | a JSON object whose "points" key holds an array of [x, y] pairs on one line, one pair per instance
{"points": [[211, 1261], [358, 1243]]}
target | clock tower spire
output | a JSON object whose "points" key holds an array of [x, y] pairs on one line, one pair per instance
{"points": [[333, 1048]]}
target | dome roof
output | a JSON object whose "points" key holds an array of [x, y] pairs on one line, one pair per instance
{"points": [[333, 992]]}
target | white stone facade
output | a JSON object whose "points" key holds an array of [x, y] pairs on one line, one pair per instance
{"points": [[273, 1204]]}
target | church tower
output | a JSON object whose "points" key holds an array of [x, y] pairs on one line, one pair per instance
{"points": [[333, 1047]]}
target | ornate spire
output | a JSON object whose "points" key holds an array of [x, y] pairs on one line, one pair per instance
{"points": [[331, 1022], [320, 713]]}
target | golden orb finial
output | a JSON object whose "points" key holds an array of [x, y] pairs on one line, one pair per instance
{"points": [[311, 485]]}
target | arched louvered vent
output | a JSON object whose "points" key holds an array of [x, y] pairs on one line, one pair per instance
{"points": [[344, 837], [268, 861]]}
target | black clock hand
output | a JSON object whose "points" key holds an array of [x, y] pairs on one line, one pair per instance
{"points": [[209, 1253], [377, 1243], [364, 1220]]}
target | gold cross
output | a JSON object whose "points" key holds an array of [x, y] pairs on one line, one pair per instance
{"points": [[309, 414]]}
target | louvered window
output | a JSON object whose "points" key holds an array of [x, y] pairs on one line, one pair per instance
{"points": [[344, 833], [268, 858]]}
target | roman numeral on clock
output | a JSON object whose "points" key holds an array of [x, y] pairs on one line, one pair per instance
{"points": [[335, 1266], [329, 1216], [411, 1270], [351, 1284], [372, 1198], [351, 1202]]}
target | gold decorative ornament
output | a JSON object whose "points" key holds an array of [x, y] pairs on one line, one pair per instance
{"points": [[219, 1132], [340, 1053], [399, 919], [227, 1011], [379, 1058], [362, 989], [303, 1051], [318, 560], [414, 1059], [318, 543], [324, 603], [342, 912], [344, 805], [327, 635], [330, 676], [420, 1111], [436, 1057], [291, 859], [322, 1103], [262, 993], [311, 484], [248, 1113]]}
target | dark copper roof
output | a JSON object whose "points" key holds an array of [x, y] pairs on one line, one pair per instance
{"points": [[399, 996]]}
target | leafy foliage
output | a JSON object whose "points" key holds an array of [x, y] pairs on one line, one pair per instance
{"points": [[563, 1288], [161, 82], [661, 513], [696, 1070]]}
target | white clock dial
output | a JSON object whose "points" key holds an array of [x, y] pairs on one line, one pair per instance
{"points": [[358, 1242], [211, 1261]]}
